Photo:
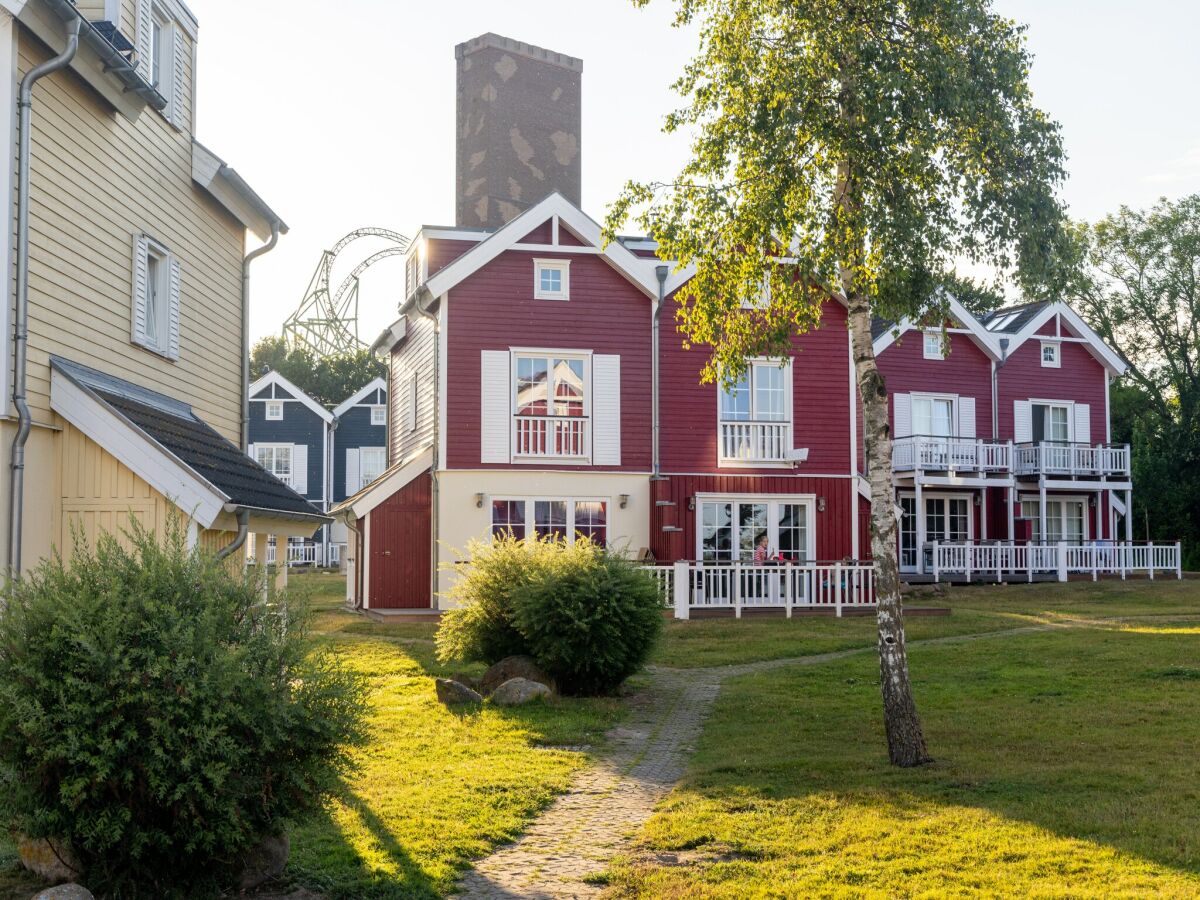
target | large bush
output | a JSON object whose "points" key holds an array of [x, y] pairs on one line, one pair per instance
{"points": [[588, 616], [159, 719]]}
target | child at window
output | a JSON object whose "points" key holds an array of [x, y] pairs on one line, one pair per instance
{"points": [[760, 550]]}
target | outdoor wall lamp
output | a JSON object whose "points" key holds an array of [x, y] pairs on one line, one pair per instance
{"points": [[692, 504], [820, 504], [624, 498], [1092, 501], [977, 500], [479, 501]]}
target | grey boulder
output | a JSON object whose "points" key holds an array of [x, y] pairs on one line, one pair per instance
{"points": [[265, 861], [65, 892], [49, 860], [518, 691], [450, 692], [513, 667]]}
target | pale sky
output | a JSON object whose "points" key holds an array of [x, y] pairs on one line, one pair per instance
{"points": [[341, 115]]}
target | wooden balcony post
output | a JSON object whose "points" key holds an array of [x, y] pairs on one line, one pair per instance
{"points": [[681, 587], [1062, 560], [837, 587], [936, 561], [1178, 561], [736, 589]]}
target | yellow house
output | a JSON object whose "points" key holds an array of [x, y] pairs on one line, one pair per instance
{"points": [[123, 335]]}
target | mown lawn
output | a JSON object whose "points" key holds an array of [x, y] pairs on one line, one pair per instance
{"points": [[1066, 766]]}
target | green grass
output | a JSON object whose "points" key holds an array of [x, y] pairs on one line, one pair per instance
{"points": [[1066, 766], [719, 642]]}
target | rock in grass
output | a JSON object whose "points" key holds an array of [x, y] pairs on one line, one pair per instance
{"points": [[518, 691], [451, 692], [49, 860], [513, 667], [65, 892], [265, 861]]}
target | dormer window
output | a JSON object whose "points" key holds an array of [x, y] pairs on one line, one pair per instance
{"points": [[378, 415], [551, 279], [935, 345], [274, 410], [1051, 358], [161, 50]]}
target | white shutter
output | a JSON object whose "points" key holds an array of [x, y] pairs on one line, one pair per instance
{"points": [[353, 478], [140, 248], [902, 414], [250, 452], [1022, 422], [300, 468], [144, 36], [177, 80], [1083, 423], [606, 410], [966, 417], [495, 406], [173, 313]]}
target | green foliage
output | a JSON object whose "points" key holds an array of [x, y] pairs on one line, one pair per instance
{"points": [[1136, 282], [327, 379], [159, 718], [854, 150], [586, 615]]}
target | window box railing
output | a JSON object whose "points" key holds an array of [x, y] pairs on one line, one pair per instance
{"points": [[756, 441], [1061, 458], [950, 454], [536, 437]]}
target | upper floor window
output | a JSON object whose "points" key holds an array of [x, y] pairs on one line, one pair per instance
{"points": [[550, 406], [1051, 422], [755, 416], [372, 463], [276, 459], [378, 415], [551, 279], [156, 286], [933, 416], [935, 345], [1050, 355], [161, 49], [759, 395], [274, 410]]}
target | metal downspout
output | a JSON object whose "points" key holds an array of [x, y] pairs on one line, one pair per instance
{"points": [[660, 272], [249, 258], [433, 469], [21, 319], [243, 520]]}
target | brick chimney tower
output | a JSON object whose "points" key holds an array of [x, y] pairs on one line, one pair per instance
{"points": [[518, 126]]}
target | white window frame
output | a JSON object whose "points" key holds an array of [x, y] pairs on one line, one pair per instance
{"points": [[785, 371], [378, 413], [952, 399], [159, 290], [364, 453], [1063, 500], [162, 56], [1068, 405], [923, 514], [289, 477], [530, 524], [273, 411], [1056, 361], [936, 350], [809, 501], [584, 356], [563, 266]]}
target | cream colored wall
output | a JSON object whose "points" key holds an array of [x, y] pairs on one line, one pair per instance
{"points": [[43, 493], [460, 520], [97, 180]]}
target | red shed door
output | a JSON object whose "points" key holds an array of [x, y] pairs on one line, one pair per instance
{"points": [[400, 548]]}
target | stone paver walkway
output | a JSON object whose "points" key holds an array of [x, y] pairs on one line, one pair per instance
{"points": [[579, 833]]}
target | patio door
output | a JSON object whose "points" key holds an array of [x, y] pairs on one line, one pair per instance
{"points": [[947, 519], [730, 529]]}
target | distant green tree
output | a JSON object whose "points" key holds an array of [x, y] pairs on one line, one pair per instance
{"points": [[327, 379]]}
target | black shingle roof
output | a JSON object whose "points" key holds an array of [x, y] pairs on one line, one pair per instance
{"points": [[1012, 319], [173, 425], [880, 327]]}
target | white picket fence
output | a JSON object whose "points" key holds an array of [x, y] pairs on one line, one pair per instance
{"points": [[690, 586], [1004, 559], [301, 554]]}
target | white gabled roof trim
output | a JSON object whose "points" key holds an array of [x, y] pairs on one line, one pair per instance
{"points": [[377, 385], [988, 341], [146, 458], [1095, 344], [393, 480], [390, 337], [274, 377], [633, 267]]}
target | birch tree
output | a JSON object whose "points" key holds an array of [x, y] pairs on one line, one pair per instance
{"points": [[853, 150]]}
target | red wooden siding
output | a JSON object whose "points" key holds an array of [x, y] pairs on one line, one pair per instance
{"points": [[833, 526], [400, 548], [543, 234], [967, 372], [820, 395], [494, 309], [1080, 378], [441, 253]]}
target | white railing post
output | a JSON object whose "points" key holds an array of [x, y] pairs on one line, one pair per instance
{"points": [[1094, 550], [682, 586], [789, 584], [937, 574], [1062, 560], [968, 553], [1178, 561], [837, 587], [1150, 559], [1122, 551], [736, 590]]}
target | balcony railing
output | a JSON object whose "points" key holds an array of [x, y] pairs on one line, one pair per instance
{"points": [[756, 441], [1055, 458], [550, 436], [1005, 559], [950, 454]]}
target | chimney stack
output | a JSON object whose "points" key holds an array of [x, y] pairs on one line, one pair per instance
{"points": [[518, 127]]}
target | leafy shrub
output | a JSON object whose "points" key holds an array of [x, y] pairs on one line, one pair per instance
{"points": [[587, 616], [160, 719]]}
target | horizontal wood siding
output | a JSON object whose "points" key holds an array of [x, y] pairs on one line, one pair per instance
{"points": [[834, 525], [98, 179], [494, 309], [821, 400], [354, 431], [441, 253], [413, 355], [1080, 379], [299, 425], [966, 372]]}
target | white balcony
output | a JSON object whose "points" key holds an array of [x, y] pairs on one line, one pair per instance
{"points": [[551, 437], [1072, 460], [922, 453], [750, 442]]}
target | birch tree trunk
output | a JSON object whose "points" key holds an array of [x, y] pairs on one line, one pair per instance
{"points": [[906, 741]]}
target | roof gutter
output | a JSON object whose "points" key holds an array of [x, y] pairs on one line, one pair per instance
{"points": [[243, 520], [422, 294], [21, 319], [249, 258]]}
